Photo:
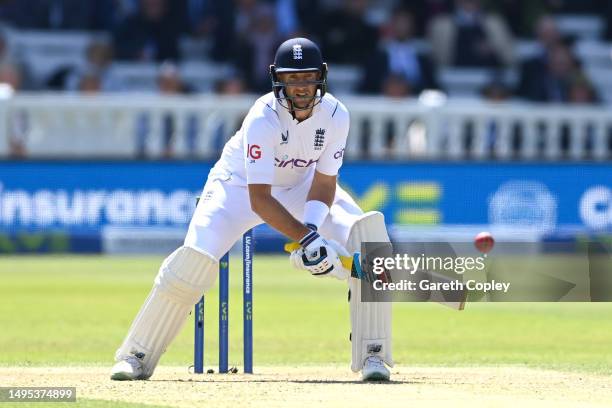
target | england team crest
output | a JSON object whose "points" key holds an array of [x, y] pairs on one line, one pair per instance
{"points": [[319, 139]]}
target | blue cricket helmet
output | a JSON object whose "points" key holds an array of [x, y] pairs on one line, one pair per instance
{"points": [[298, 55]]}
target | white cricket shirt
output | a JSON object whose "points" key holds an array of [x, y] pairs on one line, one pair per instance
{"points": [[273, 148]]}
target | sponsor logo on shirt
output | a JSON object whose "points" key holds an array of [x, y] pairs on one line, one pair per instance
{"points": [[285, 137], [253, 152], [293, 162], [319, 139], [339, 154]]}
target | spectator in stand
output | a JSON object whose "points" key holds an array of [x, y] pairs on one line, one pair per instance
{"points": [[169, 80], [98, 59], [256, 48], [232, 85], [151, 34], [169, 83], [4, 49], [214, 20], [13, 57], [90, 83], [471, 37], [298, 18], [424, 11], [398, 64], [396, 86], [552, 83], [520, 15], [18, 120], [345, 35], [534, 72], [547, 33], [245, 9], [581, 91], [19, 129], [10, 74], [496, 91], [287, 18], [202, 18]]}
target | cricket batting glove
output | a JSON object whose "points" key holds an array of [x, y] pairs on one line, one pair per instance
{"points": [[320, 257]]}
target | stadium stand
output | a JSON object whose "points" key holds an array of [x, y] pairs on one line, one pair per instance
{"points": [[43, 54]]}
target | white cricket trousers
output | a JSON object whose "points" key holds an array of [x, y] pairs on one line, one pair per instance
{"points": [[224, 214]]}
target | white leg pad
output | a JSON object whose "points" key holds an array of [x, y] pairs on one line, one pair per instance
{"points": [[182, 279], [370, 321]]}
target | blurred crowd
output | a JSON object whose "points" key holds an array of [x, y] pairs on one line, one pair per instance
{"points": [[398, 45]]}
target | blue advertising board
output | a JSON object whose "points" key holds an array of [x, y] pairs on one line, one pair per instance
{"points": [[550, 195], [75, 200]]}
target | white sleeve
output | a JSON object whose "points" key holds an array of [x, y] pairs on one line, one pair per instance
{"points": [[259, 149], [331, 159]]}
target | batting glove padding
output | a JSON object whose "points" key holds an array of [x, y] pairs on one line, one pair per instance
{"points": [[320, 257]]}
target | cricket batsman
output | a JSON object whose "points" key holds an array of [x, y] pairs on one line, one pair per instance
{"points": [[280, 168]]}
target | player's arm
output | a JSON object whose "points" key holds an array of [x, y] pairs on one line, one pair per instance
{"points": [[259, 163], [323, 188], [273, 213], [319, 200]]}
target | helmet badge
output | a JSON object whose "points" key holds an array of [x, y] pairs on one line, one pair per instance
{"points": [[297, 52]]}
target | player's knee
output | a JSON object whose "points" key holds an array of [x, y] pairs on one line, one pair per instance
{"points": [[186, 274]]}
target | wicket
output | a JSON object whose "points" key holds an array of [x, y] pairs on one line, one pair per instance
{"points": [[247, 313]]}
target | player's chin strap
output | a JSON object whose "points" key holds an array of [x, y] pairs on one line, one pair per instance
{"points": [[290, 105]]}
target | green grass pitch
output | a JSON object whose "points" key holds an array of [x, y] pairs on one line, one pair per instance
{"points": [[75, 311]]}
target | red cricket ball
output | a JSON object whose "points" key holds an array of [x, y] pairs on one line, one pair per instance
{"points": [[484, 242]]}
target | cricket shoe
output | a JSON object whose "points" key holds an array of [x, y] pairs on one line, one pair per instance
{"points": [[127, 369], [374, 370]]}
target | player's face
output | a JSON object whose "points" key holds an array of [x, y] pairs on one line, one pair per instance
{"points": [[301, 87]]}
